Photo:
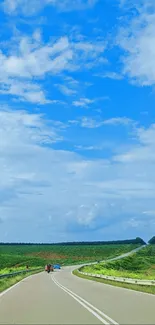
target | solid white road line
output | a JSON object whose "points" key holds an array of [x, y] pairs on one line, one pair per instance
{"points": [[81, 303], [92, 309]]}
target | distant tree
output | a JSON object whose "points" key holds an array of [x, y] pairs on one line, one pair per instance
{"points": [[152, 240], [140, 241]]}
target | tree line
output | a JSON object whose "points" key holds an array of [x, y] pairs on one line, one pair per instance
{"points": [[137, 240]]}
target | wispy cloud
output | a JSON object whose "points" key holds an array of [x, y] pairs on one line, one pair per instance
{"points": [[66, 90], [111, 75], [88, 122], [70, 86], [28, 129], [24, 91], [83, 102], [23, 6], [33, 59], [79, 147], [86, 102], [118, 120], [149, 213], [144, 151]]}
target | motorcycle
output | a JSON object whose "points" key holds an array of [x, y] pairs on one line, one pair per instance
{"points": [[49, 268]]}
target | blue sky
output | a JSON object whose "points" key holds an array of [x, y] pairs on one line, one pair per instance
{"points": [[77, 131]]}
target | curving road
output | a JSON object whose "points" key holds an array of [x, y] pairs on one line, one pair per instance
{"points": [[62, 298]]}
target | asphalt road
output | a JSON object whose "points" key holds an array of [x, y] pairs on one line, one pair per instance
{"points": [[62, 298]]}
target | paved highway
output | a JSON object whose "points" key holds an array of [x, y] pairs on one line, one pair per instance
{"points": [[62, 298]]}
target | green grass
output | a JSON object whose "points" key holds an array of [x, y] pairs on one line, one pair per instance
{"points": [[18, 256], [8, 282], [15, 269], [140, 265], [136, 287]]}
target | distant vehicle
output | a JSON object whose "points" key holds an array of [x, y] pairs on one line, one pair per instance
{"points": [[57, 266], [49, 268]]}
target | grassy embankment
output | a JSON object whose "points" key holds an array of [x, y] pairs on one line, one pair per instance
{"points": [[140, 265], [5, 283]]}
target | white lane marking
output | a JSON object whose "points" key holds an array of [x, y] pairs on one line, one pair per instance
{"points": [[86, 303], [99, 311], [81, 303], [16, 284]]}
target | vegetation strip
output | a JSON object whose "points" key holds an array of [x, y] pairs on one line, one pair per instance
{"points": [[141, 282], [136, 287], [6, 275], [6, 283]]}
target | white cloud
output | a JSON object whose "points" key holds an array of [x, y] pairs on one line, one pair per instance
{"points": [[85, 147], [70, 86], [144, 151], [86, 102], [88, 122], [35, 59], [32, 59], [137, 39], [119, 120], [38, 181], [26, 91], [29, 59], [149, 213], [27, 129], [67, 5], [91, 53], [66, 90], [23, 6], [83, 102], [88, 47], [91, 148], [111, 75]]}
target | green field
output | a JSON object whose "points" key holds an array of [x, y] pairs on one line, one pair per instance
{"points": [[14, 257], [140, 265]]}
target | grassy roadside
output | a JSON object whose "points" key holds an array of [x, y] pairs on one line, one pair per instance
{"points": [[6, 283], [139, 265], [136, 287], [101, 269], [15, 269]]}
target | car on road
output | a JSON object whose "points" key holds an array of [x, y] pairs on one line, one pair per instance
{"points": [[57, 266]]}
